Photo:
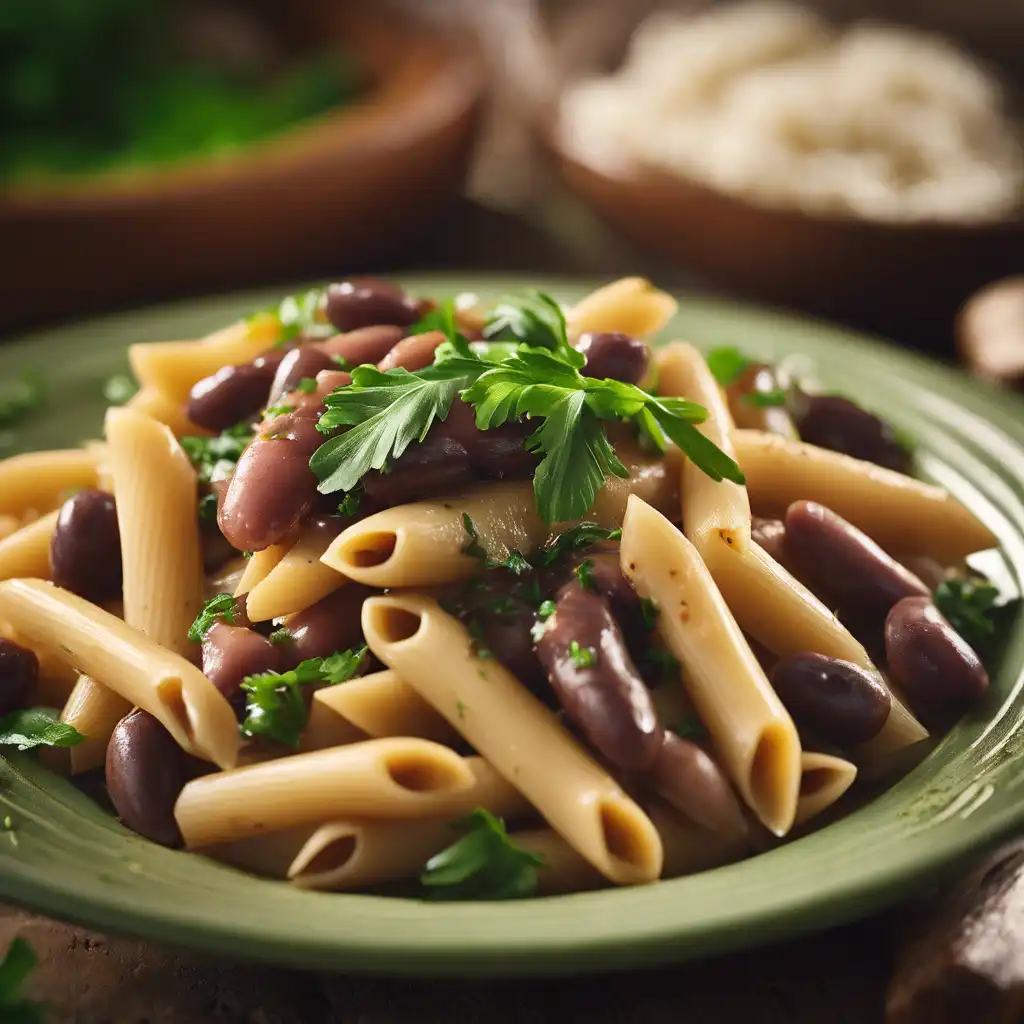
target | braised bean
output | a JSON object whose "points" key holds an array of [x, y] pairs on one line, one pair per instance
{"points": [[940, 673], [858, 577], [596, 681], [615, 355], [770, 534], [19, 672], [497, 453], [366, 301], [332, 624], [85, 551], [830, 421], [305, 361], [145, 773], [272, 487], [835, 700], [505, 632], [364, 345], [433, 466], [230, 653], [232, 394], [747, 412], [690, 779], [413, 353]]}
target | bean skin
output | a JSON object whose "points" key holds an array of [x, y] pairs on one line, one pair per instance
{"points": [[305, 361], [366, 301], [611, 354], [606, 699], [272, 487], [145, 773], [495, 454], [770, 534], [365, 344], [19, 672], [435, 465], [330, 625], [413, 353], [230, 653], [85, 551], [832, 699], [859, 578], [940, 673], [232, 394], [840, 425], [746, 414]]}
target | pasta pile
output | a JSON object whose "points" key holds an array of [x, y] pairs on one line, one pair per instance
{"points": [[351, 584]]}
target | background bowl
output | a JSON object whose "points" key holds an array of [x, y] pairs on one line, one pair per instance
{"points": [[332, 192]]}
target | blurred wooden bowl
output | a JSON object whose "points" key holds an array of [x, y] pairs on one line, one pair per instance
{"points": [[332, 192], [886, 276]]}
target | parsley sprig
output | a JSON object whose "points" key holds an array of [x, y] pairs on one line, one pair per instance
{"points": [[37, 727], [726, 364], [970, 605], [214, 458], [220, 606], [298, 314], [18, 963]]}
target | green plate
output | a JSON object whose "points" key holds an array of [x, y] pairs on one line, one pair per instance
{"points": [[68, 859]]}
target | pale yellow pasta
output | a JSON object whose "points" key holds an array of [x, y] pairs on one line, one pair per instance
{"points": [[93, 709], [399, 777], [752, 732], [823, 781], [26, 552], [715, 512], [298, 580], [155, 489], [690, 847], [517, 734], [173, 367], [258, 567], [9, 525], [100, 645], [631, 305], [38, 482], [899, 513], [161, 407]]}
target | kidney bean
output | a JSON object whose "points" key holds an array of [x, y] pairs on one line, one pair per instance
{"points": [[830, 421], [413, 353], [432, 466], [758, 378], [145, 773], [365, 344], [940, 673], [272, 487], [232, 394], [366, 301], [690, 779], [615, 355], [332, 624], [19, 672], [770, 534], [85, 551], [506, 633], [305, 361], [603, 694], [217, 552], [497, 453], [832, 699], [858, 577], [230, 653]]}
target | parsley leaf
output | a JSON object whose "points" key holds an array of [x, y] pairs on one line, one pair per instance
{"points": [[582, 657], [546, 610], [18, 963], [274, 704], [726, 364], [208, 508], [307, 385], [473, 547], [119, 388], [533, 319], [21, 396], [766, 399], [298, 314], [37, 727], [650, 611], [273, 411], [220, 606], [574, 539], [214, 458], [280, 636], [689, 728], [349, 505], [585, 574], [970, 606], [485, 864]]}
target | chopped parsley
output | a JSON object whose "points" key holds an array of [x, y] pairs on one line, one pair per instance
{"points": [[37, 727], [280, 636], [689, 727], [659, 662], [650, 611], [341, 362], [307, 385], [21, 396], [349, 505], [766, 399], [485, 864], [585, 574], [546, 610], [516, 562], [298, 314], [119, 388], [18, 963], [214, 458], [726, 364], [220, 606], [970, 606], [582, 657], [460, 709], [208, 508], [581, 536], [273, 411]]}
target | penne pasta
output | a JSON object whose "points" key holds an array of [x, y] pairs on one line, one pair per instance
{"points": [[258, 567], [631, 305], [901, 514], [751, 730], [161, 407], [94, 710], [26, 552], [524, 741], [155, 490], [824, 779], [100, 645], [689, 847], [37, 482]]}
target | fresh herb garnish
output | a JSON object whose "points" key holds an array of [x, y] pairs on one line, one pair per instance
{"points": [[220, 606], [581, 536], [766, 399], [274, 704], [21, 396], [690, 727], [970, 606], [307, 385], [460, 709], [546, 610], [207, 506], [349, 505], [584, 572], [650, 611], [37, 727], [298, 314], [485, 864], [479, 641], [119, 388], [280, 636], [582, 657], [533, 319], [18, 963], [726, 364], [214, 458], [273, 411], [516, 562], [660, 662]]}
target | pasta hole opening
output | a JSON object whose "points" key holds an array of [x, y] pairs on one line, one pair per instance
{"points": [[173, 700], [418, 774], [335, 855], [815, 780], [368, 550], [769, 784], [396, 624], [623, 840]]}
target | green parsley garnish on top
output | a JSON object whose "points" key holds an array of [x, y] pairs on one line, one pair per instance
{"points": [[28, 728]]}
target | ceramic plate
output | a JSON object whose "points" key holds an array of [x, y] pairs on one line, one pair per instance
{"points": [[68, 859]]}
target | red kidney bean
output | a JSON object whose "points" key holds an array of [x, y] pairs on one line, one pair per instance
{"points": [[596, 681], [230, 653], [758, 378], [497, 453], [832, 699], [232, 394], [690, 779], [85, 551], [330, 625], [364, 345], [366, 301], [830, 421], [770, 534], [859, 578], [19, 672], [305, 361], [615, 355], [413, 353], [433, 466], [272, 487], [145, 773], [940, 673]]}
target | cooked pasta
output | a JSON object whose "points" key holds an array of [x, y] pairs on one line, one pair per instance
{"points": [[94, 710], [160, 406], [631, 306], [26, 552], [34, 483], [824, 779]]}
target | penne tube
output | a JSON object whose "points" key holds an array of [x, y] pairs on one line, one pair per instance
{"points": [[9, 525], [753, 734], [155, 490], [516, 733], [783, 615], [147, 675], [26, 552], [258, 567], [902, 515], [379, 704], [38, 482], [94, 710], [161, 407], [400, 777], [298, 580], [631, 305], [713, 510], [564, 869], [690, 847], [173, 367], [824, 779]]}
